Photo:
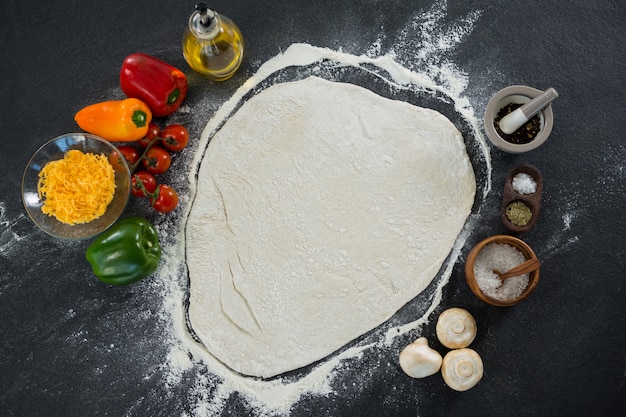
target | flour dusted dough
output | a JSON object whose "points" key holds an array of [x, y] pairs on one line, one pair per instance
{"points": [[321, 208]]}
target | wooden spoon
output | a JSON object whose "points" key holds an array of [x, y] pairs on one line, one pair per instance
{"points": [[524, 268]]}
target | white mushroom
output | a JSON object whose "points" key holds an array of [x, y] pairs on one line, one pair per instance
{"points": [[418, 360], [462, 369], [456, 328]]}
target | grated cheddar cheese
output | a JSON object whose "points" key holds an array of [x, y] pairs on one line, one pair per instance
{"points": [[78, 188]]}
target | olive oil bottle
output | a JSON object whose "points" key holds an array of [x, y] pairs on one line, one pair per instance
{"points": [[212, 44]]}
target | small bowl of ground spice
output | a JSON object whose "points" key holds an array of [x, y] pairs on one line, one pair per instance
{"points": [[491, 258], [75, 186], [530, 135]]}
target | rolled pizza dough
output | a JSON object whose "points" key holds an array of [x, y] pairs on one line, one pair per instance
{"points": [[321, 208]]}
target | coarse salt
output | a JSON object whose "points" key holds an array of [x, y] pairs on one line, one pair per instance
{"points": [[502, 257], [524, 183]]}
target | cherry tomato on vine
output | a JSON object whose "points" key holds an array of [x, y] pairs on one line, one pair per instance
{"points": [[143, 178], [165, 199], [175, 137], [157, 160], [116, 159], [153, 131], [131, 154]]}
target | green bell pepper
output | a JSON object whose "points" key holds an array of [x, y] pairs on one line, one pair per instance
{"points": [[125, 253]]}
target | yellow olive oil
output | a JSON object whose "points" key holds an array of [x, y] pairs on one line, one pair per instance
{"points": [[212, 44]]}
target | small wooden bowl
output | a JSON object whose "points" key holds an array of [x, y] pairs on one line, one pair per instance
{"points": [[532, 201], [471, 278]]}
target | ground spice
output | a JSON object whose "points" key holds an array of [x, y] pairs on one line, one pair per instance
{"points": [[518, 213], [525, 134]]}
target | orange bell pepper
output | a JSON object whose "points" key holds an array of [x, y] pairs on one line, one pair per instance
{"points": [[116, 120]]}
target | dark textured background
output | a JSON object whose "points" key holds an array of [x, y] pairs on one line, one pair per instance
{"points": [[71, 346]]}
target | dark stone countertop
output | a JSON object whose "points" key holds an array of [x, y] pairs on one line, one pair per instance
{"points": [[70, 345]]}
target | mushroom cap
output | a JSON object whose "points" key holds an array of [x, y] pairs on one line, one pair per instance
{"points": [[418, 360], [462, 369], [456, 328]]}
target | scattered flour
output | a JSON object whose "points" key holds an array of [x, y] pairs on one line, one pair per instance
{"points": [[567, 221], [416, 61], [9, 236], [428, 72]]}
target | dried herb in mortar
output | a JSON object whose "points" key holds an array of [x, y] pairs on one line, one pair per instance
{"points": [[525, 134]]}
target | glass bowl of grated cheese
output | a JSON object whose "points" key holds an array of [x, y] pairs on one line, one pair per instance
{"points": [[75, 186]]}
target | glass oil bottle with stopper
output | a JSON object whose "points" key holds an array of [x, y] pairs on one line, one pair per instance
{"points": [[212, 44]]}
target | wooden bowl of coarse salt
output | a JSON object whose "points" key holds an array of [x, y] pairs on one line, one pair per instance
{"points": [[501, 253]]}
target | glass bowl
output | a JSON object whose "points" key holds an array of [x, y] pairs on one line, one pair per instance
{"points": [[55, 149]]}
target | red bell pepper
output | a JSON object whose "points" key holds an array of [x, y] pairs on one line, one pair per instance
{"points": [[158, 84]]}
